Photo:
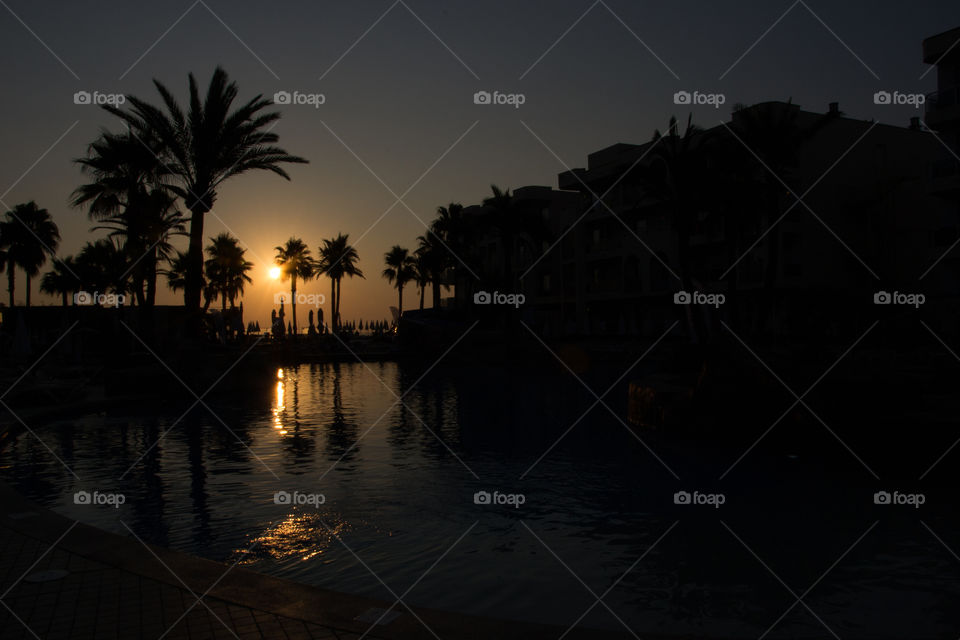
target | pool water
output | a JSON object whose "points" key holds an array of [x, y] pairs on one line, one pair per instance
{"points": [[382, 490]]}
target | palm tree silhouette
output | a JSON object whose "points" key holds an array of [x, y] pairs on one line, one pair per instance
{"points": [[457, 234], [295, 261], [129, 197], [401, 268], [28, 235], [205, 146], [338, 258], [421, 272], [177, 272], [433, 260], [176, 275], [226, 268], [62, 279], [103, 266]]}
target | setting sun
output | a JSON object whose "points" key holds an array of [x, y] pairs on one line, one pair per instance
{"points": [[275, 273]]}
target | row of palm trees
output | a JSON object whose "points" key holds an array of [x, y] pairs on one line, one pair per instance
{"points": [[337, 259], [104, 266]]}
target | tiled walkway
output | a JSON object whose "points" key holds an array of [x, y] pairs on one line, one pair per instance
{"points": [[63, 579], [94, 600]]}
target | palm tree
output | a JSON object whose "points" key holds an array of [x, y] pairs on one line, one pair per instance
{"points": [[294, 261], [422, 272], [177, 272], [226, 268], [433, 260], [338, 258], [457, 236], [146, 239], [204, 147], [401, 268], [176, 275], [28, 235], [128, 194], [103, 266], [500, 207], [62, 279], [518, 225]]}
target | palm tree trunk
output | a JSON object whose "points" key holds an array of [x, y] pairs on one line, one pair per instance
{"points": [[423, 289], [152, 279], [194, 280], [339, 289], [436, 291], [332, 321], [28, 290], [293, 300], [10, 281], [400, 301], [63, 298]]}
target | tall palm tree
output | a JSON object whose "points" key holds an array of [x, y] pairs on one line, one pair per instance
{"points": [[500, 208], [28, 235], [433, 261], [422, 272], [295, 262], [226, 268], [62, 279], [458, 237], [205, 146], [338, 258], [401, 268]]}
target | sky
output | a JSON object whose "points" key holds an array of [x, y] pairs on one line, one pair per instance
{"points": [[398, 79]]}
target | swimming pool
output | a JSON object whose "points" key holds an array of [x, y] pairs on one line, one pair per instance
{"points": [[462, 494]]}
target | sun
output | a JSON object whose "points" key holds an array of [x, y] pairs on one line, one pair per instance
{"points": [[275, 273]]}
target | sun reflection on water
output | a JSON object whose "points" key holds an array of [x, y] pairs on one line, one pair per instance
{"points": [[300, 535], [279, 406]]}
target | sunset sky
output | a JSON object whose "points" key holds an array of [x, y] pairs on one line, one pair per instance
{"points": [[401, 98]]}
